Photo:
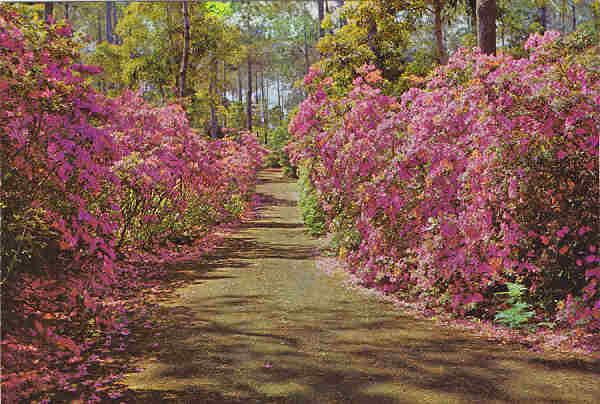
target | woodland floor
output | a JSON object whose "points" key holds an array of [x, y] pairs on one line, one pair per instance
{"points": [[257, 322]]}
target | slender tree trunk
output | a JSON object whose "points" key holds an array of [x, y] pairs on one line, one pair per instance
{"points": [[473, 15], [67, 16], [249, 96], [544, 18], [486, 24], [439, 32], [173, 45], [109, 31], [306, 58], [257, 92], [213, 100], [240, 99], [223, 97], [115, 21], [48, 11], [262, 103], [279, 101], [574, 13], [225, 82], [186, 48], [266, 105], [321, 11]]}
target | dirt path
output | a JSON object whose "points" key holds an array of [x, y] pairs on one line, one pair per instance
{"points": [[260, 324]]}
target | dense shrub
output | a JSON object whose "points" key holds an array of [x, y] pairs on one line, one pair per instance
{"points": [[309, 203], [278, 157], [175, 181], [86, 182], [485, 176]]}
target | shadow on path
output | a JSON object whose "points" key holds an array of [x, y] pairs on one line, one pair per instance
{"points": [[258, 323]]}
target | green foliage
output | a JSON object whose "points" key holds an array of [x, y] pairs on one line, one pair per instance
{"points": [[151, 49], [345, 235], [33, 243], [272, 161], [372, 34], [236, 205], [468, 40], [517, 314], [277, 140], [312, 213], [218, 7], [423, 62]]}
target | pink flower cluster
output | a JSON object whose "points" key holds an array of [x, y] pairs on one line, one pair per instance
{"points": [[88, 181], [487, 175]]}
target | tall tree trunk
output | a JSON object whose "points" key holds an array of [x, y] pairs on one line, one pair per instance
{"points": [[257, 92], [249, 96], [186, 48], [473, 15], [321, 11], [213, 100], [544, 18], [240, 100], [267, 105], [439, 32], [279, 101], [48, 11], [306, 58], [115, 21], [109, 31], [486, 24], [223, 97], [67, 16], [225, 82], [262, 103], [574, 14]]}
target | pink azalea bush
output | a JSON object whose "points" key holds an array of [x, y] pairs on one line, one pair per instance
{"points": [[175, 180], [486, 175], [94, 193]]}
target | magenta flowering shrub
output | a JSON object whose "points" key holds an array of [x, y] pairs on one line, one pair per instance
{"points": [[174, 180], [86, 183], [55, 155], [486, 175]]}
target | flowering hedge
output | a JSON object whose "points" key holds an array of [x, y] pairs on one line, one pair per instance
{"points": [[88, 184], [487, 174]]}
